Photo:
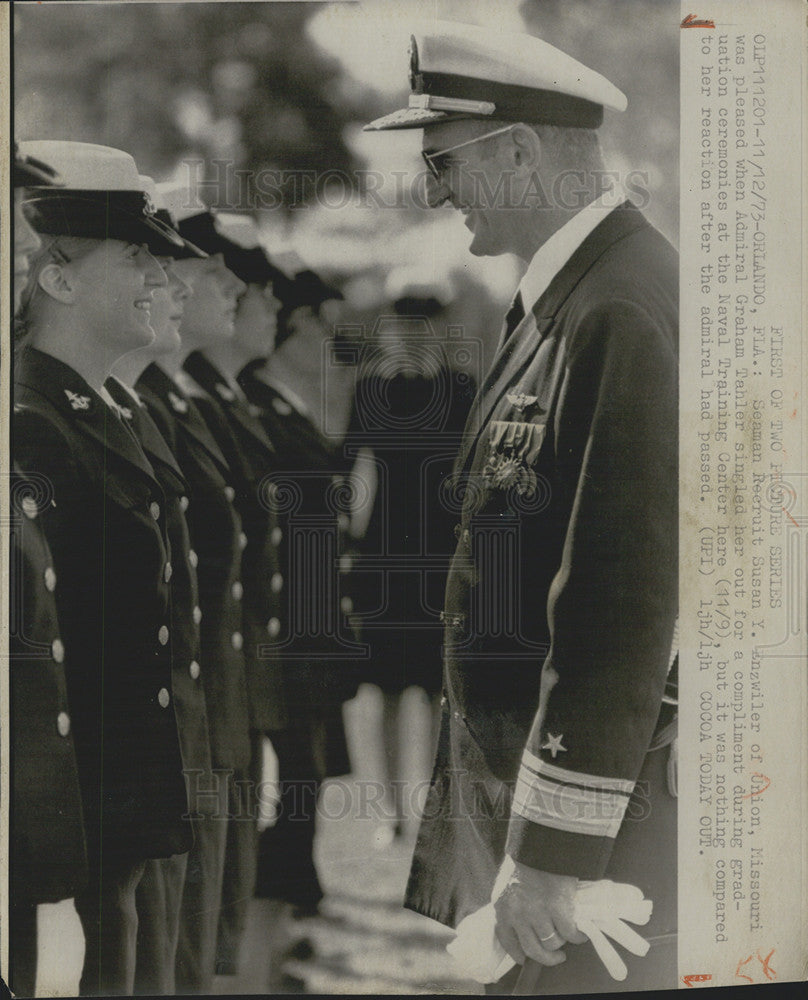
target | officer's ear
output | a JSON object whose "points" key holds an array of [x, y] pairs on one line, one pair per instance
{"points": [[56, 281], [525, 147]]}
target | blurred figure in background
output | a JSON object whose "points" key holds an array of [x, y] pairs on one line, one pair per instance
{"points": [[47, 859], [411, 403]]}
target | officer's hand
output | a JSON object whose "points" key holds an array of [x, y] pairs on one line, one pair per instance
{"points": [[535, 916]]}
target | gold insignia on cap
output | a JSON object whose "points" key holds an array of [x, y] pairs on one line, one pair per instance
{"points": [[78, 402]]}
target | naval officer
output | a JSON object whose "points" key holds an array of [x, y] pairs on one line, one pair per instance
{"points": [[556, 749], [86, 305]]}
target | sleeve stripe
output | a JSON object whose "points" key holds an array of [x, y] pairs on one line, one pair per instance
{"points": [[574, 810], [541, 769]]}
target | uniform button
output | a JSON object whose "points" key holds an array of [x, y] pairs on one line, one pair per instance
{"points": [[242, 540], [237, 590], [163, 697], [29, 507], [167, 572], [346, 604], [197, 613], [184, 503], [162, 635], [343, 522], [276, 583], [466, 537], [154, 507], [458, 528], [193, 669], [345, 563], [50, 579], [63, 724], [193, 558], [276, 536], [58, 650], [273, 627], [230, 493], [237, 640]]}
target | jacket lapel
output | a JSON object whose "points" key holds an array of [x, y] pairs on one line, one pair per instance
{"points": [[81, 406], [519, 349]]}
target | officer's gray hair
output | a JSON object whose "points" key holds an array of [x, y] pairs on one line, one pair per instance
{"points": [[564, 147]]}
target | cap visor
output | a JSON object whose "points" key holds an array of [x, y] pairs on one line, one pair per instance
{"points": [[160, 238], [410, 118]]}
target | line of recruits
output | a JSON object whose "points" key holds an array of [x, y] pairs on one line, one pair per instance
{"points": [[158, 627]]}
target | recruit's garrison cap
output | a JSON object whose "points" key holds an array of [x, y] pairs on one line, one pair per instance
{"points": [[102, 198], [463, 71]]}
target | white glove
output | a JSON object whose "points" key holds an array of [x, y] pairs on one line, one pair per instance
{"points": [[600, 909]]}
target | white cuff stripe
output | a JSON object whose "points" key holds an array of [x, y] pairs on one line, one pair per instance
{"points": [[553, 773], [574, 809]]}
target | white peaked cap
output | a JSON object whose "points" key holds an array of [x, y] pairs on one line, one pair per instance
{"points": [[181, 200], [238, 227], [85, 166], [417, 282], [460, 70]]}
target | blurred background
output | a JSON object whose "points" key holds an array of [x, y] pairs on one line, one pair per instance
{"points": [[265, 103]]}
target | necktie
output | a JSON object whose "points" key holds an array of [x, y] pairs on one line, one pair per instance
{"points": [[513, 317]]}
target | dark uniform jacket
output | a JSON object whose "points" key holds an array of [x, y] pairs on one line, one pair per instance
{"points": [[252, 459], [319, 644], [107, 533], [217, 542], [188, 690], [48, 859], [561, 597]]}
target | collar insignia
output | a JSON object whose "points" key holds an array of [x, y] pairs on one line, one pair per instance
{"points": [[78, 402], [553, 744], [124, 411], [225, 392], [177, 404], [521, 400]]}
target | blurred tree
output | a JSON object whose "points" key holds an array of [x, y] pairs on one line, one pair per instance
{"points": [[239, 86]]}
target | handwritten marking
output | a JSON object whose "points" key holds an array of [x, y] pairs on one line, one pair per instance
{"points": [[758, 791], [689, 980], [743, 975], [790, 518], [767, 969], [691, 21]]}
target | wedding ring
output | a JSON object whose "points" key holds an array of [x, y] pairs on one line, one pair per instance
{"points": [[548, 937]]}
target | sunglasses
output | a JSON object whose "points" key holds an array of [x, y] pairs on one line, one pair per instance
{"points": [[437, 162]]}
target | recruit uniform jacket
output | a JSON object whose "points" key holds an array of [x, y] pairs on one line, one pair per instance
{"points": [[107, 533], [252, 459], [561, 596], [218, 541], [48, 856], [311, 477], [188, 690]]}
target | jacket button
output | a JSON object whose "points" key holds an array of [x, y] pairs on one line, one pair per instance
{"points": [[458, 528], [29, 507], [230, 493], [242, 540], [50, 579], [466, 537], [162, 635], [184, 504], [63, 724], [237, 590], [276, 536], [193, 669], [237, 640], [273, 627], [276, 583], [343, 522], [193, 558], [346, 604], [197, 614], [167, 572], [58, 650], [163, 697], [345, 562], [154, 507]]}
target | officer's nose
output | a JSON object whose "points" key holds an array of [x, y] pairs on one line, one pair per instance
{"points": [[437, 192]]}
